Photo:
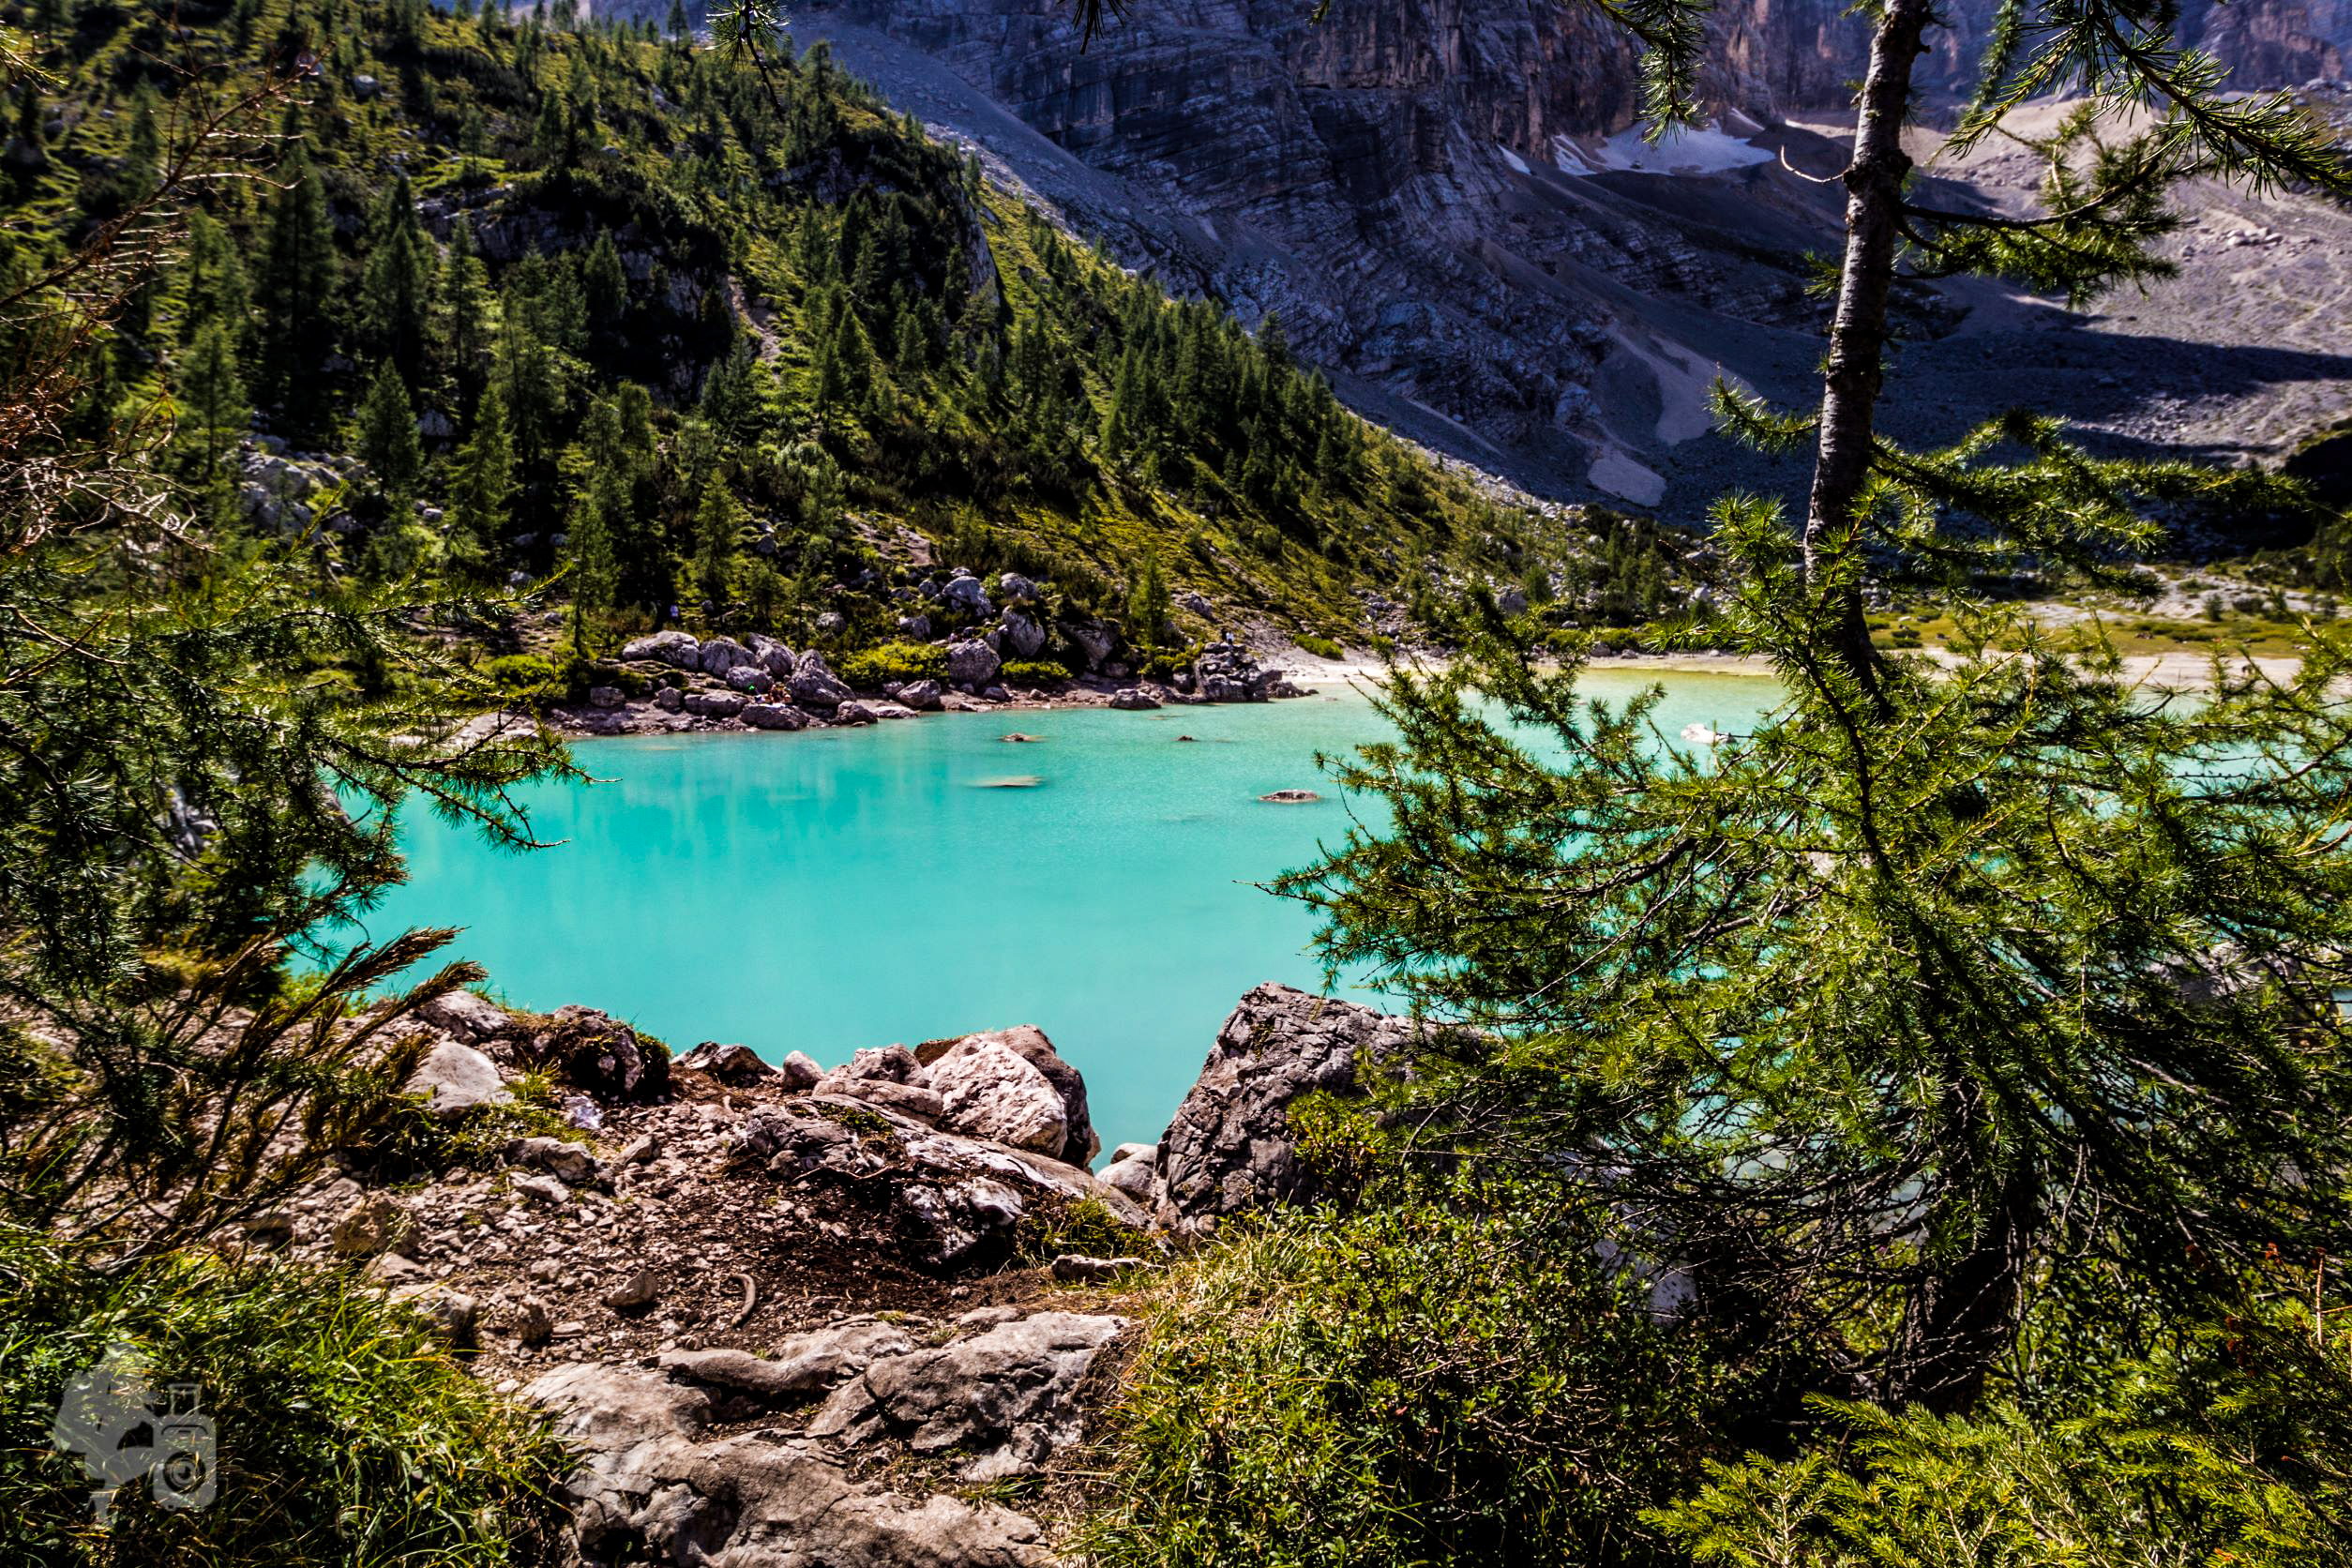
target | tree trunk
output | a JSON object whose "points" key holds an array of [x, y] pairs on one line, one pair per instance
{"points": [[1858, 334], [1963, 1318]]}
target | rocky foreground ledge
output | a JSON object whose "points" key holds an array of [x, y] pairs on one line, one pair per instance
{"points": [[791, 1315]]}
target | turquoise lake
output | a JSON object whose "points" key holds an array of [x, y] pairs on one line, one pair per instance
{"points": [[841, 888]]}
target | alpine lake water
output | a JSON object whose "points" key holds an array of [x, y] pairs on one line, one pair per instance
{"points": [[923, 878]]}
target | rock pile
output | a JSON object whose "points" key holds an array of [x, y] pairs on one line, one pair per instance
{"points": [[746, 1290]]}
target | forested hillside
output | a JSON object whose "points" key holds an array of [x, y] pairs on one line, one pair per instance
{"points": [[726, 344]]}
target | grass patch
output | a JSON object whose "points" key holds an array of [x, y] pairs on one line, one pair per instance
{"points": [[345, 1433]]}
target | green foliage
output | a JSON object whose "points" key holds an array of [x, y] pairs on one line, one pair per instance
{"points": [[522, 675], [1034, 673], [2229, 1446], [346, 1434], [1088, 1226], [1445, 1374], [1321, 647], [870, 668]]}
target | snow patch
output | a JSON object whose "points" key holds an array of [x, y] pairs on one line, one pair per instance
{"points": [[1709, 150], [1621, 475], [1517, 163]]}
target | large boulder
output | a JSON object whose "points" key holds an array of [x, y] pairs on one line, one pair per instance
{"points": [[957, 1200], [602, 1055], [1024, 635], [973, 1061], [673, 648], [1009, 1391], [716, 704], [972, 664], [723, 654], [739, 1065], [773, 715], [774, 657], [802, 1365], [455, 1078], [649, 1489], [1231, 1146], [923, 696], [472, 1018], [986, 1089], [813, 684]]}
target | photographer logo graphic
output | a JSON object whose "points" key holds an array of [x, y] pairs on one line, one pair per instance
{"points": [[112, 1418]]}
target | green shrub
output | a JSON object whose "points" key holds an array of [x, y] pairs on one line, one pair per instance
{"points": [[1086, 1226], [346, 1434], [1035, 671], [1449, 1379], [522, 675], [1165, 666], [1321, 647], [871, 669]]}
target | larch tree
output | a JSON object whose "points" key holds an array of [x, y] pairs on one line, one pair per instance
{"points": [[1942, 991]]}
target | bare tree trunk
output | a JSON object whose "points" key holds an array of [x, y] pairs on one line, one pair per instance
{"points": [[1960, 1320], [1858, 335]]}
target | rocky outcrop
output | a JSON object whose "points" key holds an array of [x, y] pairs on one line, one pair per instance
{"points": [[1009, 1393], [1229, 1146], [601, 1055], [652, 1486], [968, 1072]]}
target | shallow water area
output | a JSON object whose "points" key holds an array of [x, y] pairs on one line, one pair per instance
{"points": [[921, 878]]}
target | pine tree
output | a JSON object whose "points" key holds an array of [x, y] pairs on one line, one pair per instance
{"points": [[395, 292], [717, 538], [604, 288], [212, 405], [599, 512], [676, 24], [292, 292], [387, 441], [215, 289], [466, 309], [1147, 604], [482, 488], [1122, 422]]}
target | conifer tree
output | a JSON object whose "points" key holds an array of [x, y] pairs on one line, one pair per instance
{"points": [[387, 441], [211, 400], [718, 539], [1945, 989], [1147, 604], [395, 292], [215, 289], [482, 487], [291, 290], [604, 288], [466, 309]]}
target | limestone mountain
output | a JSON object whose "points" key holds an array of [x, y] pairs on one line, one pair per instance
{"points": [[1445, 204]]}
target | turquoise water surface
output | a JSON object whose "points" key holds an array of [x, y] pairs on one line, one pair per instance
{"points": [[841, 888]]}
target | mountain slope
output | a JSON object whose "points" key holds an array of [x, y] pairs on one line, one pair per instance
{"points": [[755, 349], [1439, 201]]}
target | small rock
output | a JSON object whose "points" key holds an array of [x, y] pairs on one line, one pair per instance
{"points": [[378, 1221], [1133, 700], [456, 1079], [569, 1161], [529, 1322], [636, 1294], [1076, 1268], [546, 1189], [1289, 797], [453, 1315], [799, 1071], [642, 1149], [739, 1065]]}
